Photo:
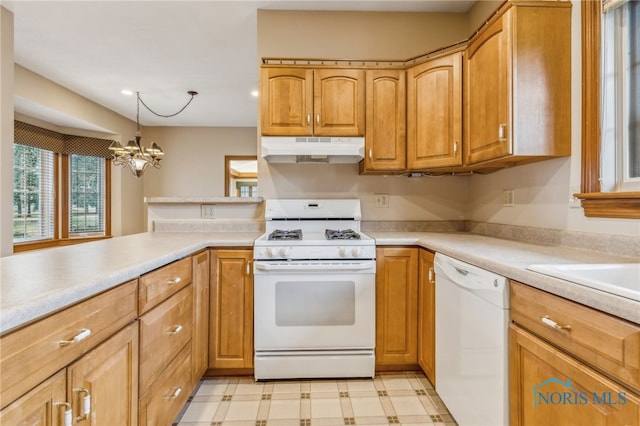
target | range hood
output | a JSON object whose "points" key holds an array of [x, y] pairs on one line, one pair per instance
{"points": [[312, 149]]}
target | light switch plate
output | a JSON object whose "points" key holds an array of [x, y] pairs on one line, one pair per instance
{"points": [[381, 200], [208, 211], [508, 198]]}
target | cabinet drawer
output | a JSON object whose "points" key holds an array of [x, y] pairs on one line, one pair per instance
{"points": [[156, 286], [164, 400], [164, 331], [607, 343], [37, 351]]}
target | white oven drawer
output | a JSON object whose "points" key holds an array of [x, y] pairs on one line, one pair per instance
{"points": [[314, 311]]}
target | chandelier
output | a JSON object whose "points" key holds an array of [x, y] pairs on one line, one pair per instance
{"points": [[135, 156]]}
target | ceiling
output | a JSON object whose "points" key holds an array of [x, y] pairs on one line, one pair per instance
{"points": [[161, 49]]}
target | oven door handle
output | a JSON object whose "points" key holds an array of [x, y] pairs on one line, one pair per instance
{"points": [[322, 267]]}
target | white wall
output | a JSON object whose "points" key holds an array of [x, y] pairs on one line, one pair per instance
{"points": [[543, 190], [6, 132], [193, 164]]}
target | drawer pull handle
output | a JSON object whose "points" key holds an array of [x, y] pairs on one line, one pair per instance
{"points": [[176, 280], [431, 274], [175, 330], [84, 333], [177, 391], [551, 323], [85, 405], [68, 415]]}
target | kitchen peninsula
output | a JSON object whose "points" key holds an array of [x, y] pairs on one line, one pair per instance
{"points": [[69, 277]]}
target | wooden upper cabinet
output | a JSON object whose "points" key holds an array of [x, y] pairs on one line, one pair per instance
{"points": [[385, 135], [287, 101], [518, 86], [434, 113], [339, 102], [305, 102]]}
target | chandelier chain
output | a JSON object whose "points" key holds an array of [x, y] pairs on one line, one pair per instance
{"points": [[192, 93]]}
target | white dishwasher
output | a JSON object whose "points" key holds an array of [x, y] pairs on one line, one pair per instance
{"points": [[472, 317]]}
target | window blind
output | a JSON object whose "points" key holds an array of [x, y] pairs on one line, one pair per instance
{"points": [[33, 194]]}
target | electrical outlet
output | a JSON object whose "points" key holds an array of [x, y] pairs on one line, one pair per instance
{"points": [[381, 200], [208, 211], [508, 198]]}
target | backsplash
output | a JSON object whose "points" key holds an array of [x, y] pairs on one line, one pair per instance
{"points": [[620, 245]]}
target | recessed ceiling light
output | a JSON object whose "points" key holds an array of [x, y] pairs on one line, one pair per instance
{"points": [[126, 92], [255, 93]]}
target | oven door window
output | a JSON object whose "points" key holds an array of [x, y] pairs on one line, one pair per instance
{"points": [[315, 303]]}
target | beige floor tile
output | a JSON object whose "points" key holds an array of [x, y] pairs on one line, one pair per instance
{"points": [[396, 383], [249, 389], [408, 405], [286, 387], [369, 406], [323, 408], [200, 412], [284, 409], [360, 385], [242, 410]]}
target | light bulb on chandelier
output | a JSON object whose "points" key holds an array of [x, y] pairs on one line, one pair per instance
{"points": [[135, 156]]}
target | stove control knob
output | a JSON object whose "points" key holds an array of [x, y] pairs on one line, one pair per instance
{"points": [[356, 251], [284, 252], [269, 252], [342, 251]]}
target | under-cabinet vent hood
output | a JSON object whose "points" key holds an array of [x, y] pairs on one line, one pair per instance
{"points": [[277, 149]]}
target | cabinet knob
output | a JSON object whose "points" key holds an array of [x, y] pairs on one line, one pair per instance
{"points": [[175, 330], [551, 323], [85, 404], [176, 391], [502, 132], [84, 333], [317, 118], [370, 153], [176, 280], [431, 274], [68, 415], [308, 118]]}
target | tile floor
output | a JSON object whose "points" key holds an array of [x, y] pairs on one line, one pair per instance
{"points": [[405, 398]]}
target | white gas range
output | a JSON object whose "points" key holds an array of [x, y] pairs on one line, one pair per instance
{"points": [[314, 292]]}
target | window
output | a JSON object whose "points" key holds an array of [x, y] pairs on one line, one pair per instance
{"points": [[620, 168], [598, 200], [33, 194], [86, 195], [61, 188]]}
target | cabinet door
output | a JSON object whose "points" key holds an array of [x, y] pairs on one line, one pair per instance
{"points": [[385, 141], [231, 319], [109, 374], [396, 306], [434, 113], [427, 315], [287, 101], [549, 387], [338, 102], [200, 335], [40, 405], [487, 88]]}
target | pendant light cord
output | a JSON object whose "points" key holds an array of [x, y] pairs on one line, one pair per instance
{"points": [[190, 92]]}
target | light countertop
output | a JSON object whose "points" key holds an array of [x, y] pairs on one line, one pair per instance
{"points": [[35, 284]]}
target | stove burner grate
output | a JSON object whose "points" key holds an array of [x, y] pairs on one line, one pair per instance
{"points": [[281, 234], [345, 234]]}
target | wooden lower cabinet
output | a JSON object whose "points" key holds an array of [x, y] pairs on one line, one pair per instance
{"points": [[107, 375], [200, 335], [396, 307], [231, 309], [427, 315], [40, 406], [549, 387], [164, 400]]}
